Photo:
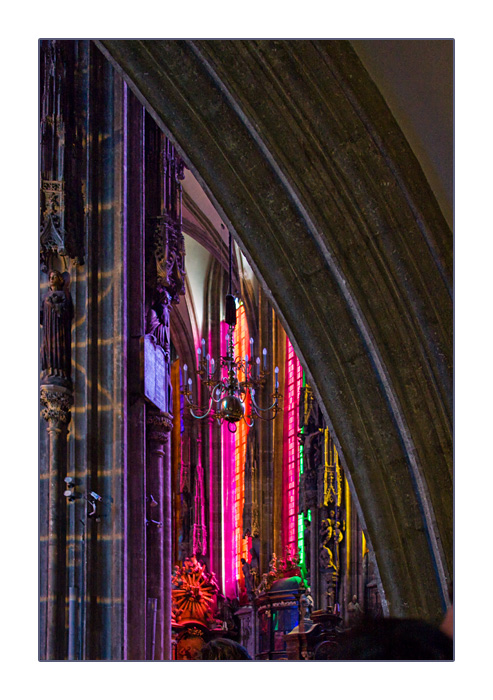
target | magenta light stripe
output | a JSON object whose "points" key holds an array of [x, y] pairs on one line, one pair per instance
{"points": [[228, 493], [293, 379]]}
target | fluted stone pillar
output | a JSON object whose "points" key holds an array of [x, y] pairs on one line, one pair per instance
{"points": [[57, 401], [159, 540]]}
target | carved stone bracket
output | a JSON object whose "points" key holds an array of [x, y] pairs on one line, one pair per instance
{"points": [[160, 426], [57, 401]]}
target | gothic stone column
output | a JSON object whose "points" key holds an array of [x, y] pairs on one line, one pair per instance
{"points": [[56, 401], [159, 541]]}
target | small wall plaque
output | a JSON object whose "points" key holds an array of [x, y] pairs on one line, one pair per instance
{"points": [[156, 381]]}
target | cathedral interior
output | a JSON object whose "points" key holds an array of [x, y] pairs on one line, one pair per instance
{"points": [[246, 343]]}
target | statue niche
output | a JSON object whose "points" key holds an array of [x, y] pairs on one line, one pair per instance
{"points": [[56, 320]]}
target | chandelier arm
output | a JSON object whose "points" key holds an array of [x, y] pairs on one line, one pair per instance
{"points": [[267, 418], [250, 425], [186, 396], [222, 388], [275, 404], [191, 407], [200, 417]]}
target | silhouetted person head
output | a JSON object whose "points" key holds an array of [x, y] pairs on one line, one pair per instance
{"points": [[224, 650], [391, 639]]}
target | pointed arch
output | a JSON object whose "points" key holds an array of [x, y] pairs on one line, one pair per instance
{"points": [[293, 143]]}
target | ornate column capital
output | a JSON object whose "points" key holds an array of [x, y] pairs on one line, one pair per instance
{"points": [[57, 401]]}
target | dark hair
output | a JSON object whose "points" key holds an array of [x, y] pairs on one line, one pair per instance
{"points": [[392, 639], [224, 650]]}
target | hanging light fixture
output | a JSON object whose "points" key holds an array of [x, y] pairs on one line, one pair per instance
{"points": [[227, 393]]}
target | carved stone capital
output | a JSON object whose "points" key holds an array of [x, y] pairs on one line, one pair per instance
{"points": [[159, 426], [57, 401]]}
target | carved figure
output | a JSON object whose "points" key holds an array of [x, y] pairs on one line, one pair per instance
{"points": [[157, 325], [337, 539], [327, 528], [330, 595], [292, 562], [326, 532], [306, 602], [355, 611], [56, 319], [326, 558], [263, 586], [158, 320], [290, 559], [245, 567], [331, 536], [255, 553], [225, 612]]}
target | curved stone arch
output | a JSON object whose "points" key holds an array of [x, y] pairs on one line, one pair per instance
{"points": [[295, 146]]}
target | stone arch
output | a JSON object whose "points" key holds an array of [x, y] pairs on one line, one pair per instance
{"points": [[295, 146]]}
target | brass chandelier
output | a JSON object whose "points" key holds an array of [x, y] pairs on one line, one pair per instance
{"points": [[229, 382]]}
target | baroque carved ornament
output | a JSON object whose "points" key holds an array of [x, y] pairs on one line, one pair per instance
{"points": [[169, 251]]}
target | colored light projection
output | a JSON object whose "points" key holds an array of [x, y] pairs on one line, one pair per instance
{"points": [[233, 474], [301, 516], [241, 345], [291, 466], [228, 496]]}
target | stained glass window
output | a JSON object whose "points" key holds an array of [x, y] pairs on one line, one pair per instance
{"points": [[291, 467]]}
